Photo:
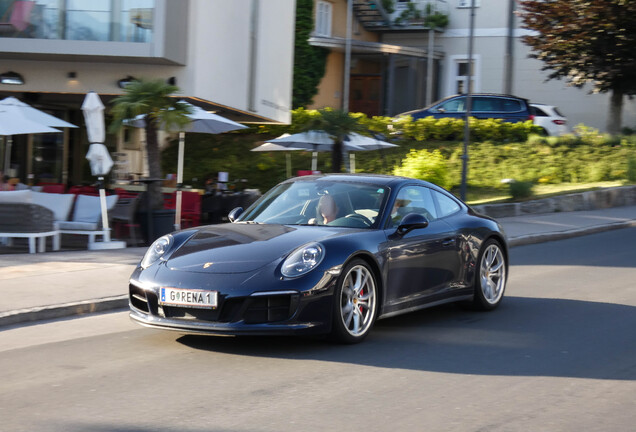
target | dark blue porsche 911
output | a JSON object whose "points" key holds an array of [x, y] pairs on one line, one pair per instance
{"points": [[323, 254]]}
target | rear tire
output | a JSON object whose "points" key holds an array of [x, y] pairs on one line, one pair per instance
{"points": [[490, 277], [355, 303]]}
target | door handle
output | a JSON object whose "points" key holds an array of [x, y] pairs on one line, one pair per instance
{"points": [[448, 242]]}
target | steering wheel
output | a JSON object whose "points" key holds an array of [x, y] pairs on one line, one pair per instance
{"points": [[360, 217]]}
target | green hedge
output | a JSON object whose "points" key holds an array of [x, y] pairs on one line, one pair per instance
{"points": [[426, 129], [587, 157]]}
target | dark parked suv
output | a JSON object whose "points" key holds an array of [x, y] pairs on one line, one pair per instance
{"points": [[484, 105]]}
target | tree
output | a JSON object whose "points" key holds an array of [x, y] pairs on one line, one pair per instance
{"points": [[586, 41], [151, 99], [338, 124]]}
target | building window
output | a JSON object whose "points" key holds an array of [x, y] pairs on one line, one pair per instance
{"points": [[323, 18], [97, 20], [458, 75], [466, 3]]}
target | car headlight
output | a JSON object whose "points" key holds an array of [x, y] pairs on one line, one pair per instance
{"points": [[303, 260], [157, 250]]}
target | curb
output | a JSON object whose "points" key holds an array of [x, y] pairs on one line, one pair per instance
{"points": [[85, 307], [620, 196], [562, 235]]}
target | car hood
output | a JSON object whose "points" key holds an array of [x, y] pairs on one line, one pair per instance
{"points": [[241, 248]]}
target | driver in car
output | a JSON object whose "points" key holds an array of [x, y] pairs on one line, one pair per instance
{"points": [[327, 209]]}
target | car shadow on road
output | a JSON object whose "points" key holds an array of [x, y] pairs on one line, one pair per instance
{"points": [[524, 337]]}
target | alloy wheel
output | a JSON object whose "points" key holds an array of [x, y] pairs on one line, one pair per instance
{"points": [[492, 274], [357, 300]]}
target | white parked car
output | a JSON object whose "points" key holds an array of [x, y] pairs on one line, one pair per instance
{"points": [[549, 118]]}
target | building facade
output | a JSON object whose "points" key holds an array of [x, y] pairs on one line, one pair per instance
{"points": [[501, 60], [232, 57]]}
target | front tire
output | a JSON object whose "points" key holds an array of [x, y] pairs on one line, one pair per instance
{"points": [[491, 276], [355, 303]]}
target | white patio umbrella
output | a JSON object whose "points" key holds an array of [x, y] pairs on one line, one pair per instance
{"points": [[318, 140], [314, 140], [268, 146], [201, 121], [13, 122], [368, 143], [34, 114], [365, 143], [100, 160]]}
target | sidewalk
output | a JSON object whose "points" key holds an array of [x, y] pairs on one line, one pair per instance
{"points": [[35, 287]]}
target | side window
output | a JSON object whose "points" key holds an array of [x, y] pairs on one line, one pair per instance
{"points": [[510, 105], [323, 19], [413, 199], [447, 206], [483, 104], [538, 112], [453, 106]]}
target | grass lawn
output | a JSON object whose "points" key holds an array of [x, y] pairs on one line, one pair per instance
{"points": [[494, 196]]}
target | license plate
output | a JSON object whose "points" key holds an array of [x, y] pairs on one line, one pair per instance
{"points": [[193, 298]]}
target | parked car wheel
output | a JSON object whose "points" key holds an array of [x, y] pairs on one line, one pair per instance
{"points": [[355, 304], [490, 278]]}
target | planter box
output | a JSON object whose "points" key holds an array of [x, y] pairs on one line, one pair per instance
{"points": [[161, 223]]}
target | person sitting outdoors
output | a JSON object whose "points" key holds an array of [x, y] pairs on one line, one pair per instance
{"points": [[5, 185]]}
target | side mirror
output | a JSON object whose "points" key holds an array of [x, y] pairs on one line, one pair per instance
{"points": [[235, 213], [410, 222]]}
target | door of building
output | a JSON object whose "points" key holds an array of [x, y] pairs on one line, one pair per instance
{"points": [[365, 94]]}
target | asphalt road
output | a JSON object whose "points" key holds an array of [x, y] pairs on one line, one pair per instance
{"points": [[558, 355]]}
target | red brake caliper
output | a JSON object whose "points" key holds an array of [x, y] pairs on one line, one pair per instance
{"points": [[361, 294]]}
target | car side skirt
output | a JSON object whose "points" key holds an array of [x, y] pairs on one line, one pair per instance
{"points": [[427, 305]]}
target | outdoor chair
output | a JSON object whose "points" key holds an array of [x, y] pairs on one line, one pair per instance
{"points": [[58, 188], [87, 217], [84, 190], [123, 193], [21, 217], [123, 216], [169, 201], [190, 209]]}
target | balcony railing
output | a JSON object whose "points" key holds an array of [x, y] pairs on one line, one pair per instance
{"points": [[97, 20], [415, 15]]}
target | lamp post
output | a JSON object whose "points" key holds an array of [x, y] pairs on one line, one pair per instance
{"points": [[509, 56], [469, 90], [347, 59]]}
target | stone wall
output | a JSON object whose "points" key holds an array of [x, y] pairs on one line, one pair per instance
{"points": [[591, 200]]}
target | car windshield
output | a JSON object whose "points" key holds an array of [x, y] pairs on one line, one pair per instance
{"points": [[354, 205]]}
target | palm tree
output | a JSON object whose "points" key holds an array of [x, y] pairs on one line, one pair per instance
{"points": [[338, 124], [151, 99]]}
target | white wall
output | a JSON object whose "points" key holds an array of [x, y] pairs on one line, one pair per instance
{"points": [[217, 64], [219, 56], [528, 80]]}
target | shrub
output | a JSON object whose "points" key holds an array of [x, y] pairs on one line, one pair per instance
{"points": [[631, 168], [425, 165], [520, 189]]}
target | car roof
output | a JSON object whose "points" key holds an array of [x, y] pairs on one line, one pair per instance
{"points": [[483, 94], [375, 179], [541, 105], [462, 94]]}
